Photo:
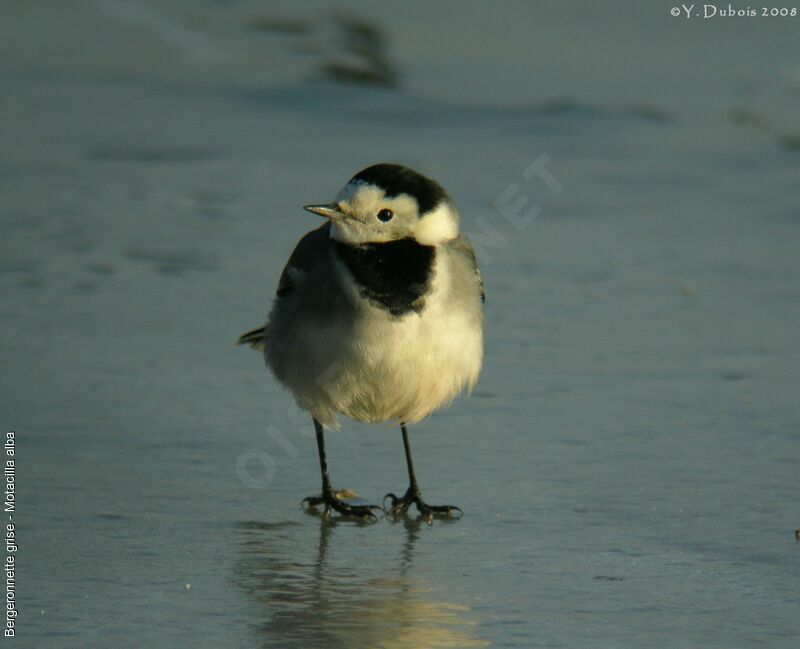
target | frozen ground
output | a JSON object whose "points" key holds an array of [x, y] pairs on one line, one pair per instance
{"points": [[628, 464]]}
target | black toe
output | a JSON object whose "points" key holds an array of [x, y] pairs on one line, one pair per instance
{"points": [[400, 506], [330, 501]]}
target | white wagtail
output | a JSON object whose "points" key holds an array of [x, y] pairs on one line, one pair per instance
{"points": [[378, 316]]}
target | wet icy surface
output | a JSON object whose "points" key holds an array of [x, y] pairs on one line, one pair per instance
{"points": [[628, 463]]}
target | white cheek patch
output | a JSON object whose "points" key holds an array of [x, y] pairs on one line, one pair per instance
{"points": [[437, 226], [347, 233]]}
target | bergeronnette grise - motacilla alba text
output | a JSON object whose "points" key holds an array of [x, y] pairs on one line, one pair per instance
{"points": [[378, 316]]}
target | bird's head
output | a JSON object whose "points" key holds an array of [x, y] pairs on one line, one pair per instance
{"points": [[387, 202]]}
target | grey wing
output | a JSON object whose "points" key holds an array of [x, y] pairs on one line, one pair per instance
{"points": [[463, 248], [308, 252]]}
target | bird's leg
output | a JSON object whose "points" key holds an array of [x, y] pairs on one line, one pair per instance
{"points": [[329, 498], [413, 496]]}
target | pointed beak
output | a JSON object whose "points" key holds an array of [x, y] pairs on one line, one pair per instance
{"points": [[329, 211]]}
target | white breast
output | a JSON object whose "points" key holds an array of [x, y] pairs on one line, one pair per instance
{"points": [[404, 368]]}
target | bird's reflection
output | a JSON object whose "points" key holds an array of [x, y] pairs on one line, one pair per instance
{"points": [[338, 595]]}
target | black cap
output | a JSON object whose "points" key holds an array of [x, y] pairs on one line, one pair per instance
{"points": [[396, 179]]}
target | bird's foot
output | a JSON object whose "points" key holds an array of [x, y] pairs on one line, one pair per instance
{"points": [[400, 506], [335, 500]]}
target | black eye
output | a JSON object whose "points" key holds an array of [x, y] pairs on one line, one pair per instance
{"points": [[385, 215]]}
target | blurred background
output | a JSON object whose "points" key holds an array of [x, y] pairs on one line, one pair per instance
{"points": [[628, 462]]}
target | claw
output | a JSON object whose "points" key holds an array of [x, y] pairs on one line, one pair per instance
{"points": [[399, 506], [332, 501]]}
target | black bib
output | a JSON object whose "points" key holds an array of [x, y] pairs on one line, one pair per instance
{"points": [[394, 275]]}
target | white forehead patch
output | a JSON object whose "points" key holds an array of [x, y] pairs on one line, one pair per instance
{"points": [[360, 197], [366, 200]]}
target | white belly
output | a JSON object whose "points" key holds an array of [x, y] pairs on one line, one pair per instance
{"points": [[431, 358], [381, 367]]}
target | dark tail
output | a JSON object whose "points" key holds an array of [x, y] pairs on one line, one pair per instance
{"points": [[256, 339]]}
